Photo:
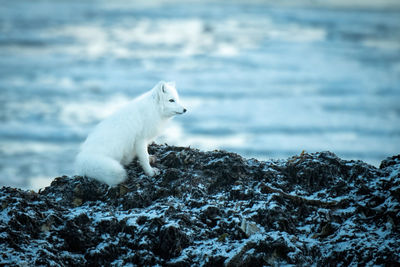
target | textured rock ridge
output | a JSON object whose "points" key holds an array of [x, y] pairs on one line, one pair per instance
{"points": [[211, 209]]}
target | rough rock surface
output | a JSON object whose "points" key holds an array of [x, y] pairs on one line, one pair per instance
{"points": [[211, 209]]}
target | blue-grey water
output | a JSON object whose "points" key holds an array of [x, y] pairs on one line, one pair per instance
{"points": [[261, 79]]}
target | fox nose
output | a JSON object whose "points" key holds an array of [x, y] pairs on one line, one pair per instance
{"points": [[184, 110]]}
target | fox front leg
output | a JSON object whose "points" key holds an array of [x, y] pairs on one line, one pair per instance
{"points": [[144, 160]]}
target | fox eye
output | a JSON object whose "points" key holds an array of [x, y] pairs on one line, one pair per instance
{"points": [[171, 100]]}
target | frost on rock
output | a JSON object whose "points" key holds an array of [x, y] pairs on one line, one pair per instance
{"points": [[211, 209]]}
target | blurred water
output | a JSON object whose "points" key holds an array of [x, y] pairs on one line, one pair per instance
{"points": [[263, 80]]}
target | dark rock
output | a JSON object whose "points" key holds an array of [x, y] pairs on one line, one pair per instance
{"points": [[212, 209], [395, 160], [172, 242]]}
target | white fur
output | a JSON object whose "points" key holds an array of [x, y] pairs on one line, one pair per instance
{"points": [[118, 139]]}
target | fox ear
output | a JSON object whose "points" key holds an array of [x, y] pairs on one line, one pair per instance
{"points": [[158, 91], [162, 86]]}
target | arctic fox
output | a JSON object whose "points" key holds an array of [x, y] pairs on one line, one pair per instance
{"points": [[118, 139]]}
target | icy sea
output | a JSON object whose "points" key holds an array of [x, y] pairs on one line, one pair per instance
{"points": [[260, 79]]}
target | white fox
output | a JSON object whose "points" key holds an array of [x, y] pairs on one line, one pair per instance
{"points": [[118, 139]]}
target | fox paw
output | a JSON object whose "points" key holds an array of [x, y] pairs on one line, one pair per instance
{"points": [[152, 172]]}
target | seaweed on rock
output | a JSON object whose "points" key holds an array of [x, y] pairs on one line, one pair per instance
{"points": [[212, 209]]}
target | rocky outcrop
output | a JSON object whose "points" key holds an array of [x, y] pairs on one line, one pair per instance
{"points": [[211, 209]]}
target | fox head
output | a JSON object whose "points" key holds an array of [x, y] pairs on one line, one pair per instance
{"points": [[168, 100]]}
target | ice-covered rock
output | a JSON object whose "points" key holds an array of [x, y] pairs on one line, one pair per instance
{"points": [[212, 209]]}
